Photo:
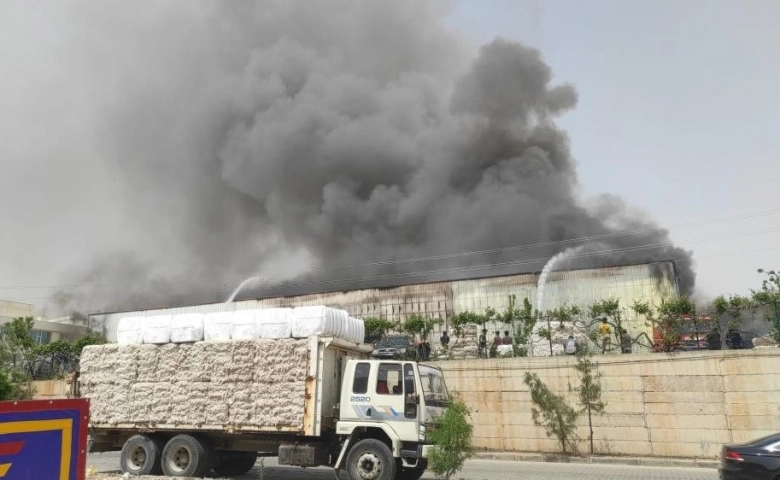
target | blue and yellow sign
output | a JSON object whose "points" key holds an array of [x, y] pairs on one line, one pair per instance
{"points": [[43, 439]]}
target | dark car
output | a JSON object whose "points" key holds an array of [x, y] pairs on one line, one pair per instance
{"points": [[392, 346], [756, 460]]}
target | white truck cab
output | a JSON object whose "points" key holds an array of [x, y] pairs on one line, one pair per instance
{"points": [[386, 408]]}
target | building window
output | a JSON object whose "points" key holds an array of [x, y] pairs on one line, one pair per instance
{"points": [[40, 337]]}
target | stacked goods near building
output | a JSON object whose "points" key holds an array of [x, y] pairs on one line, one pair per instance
{"points": [[652, 283]]}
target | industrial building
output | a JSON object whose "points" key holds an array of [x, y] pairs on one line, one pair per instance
{"points": [[651, 282]]}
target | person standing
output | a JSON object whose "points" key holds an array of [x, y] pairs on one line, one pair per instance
{"points": [[604, 332], [444, 339], [507, 340], [483, 352], [570, 346], [714, 341], [625, 341]]}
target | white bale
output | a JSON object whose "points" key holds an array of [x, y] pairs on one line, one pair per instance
{"points": [[504, 350], [244, 325], [187, 327], [358, 330], [217, 326], [157, 329], [130, 330], [274, 323], [361, 331], [342, 324], [315, 320]]}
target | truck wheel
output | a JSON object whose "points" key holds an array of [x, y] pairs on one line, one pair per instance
{"points": [[186, 456], [234, 463], [370, 459], [141, 455]]}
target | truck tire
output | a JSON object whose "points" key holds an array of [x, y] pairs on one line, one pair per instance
{"points": [[187, 456], [370, 459], [141, 455], [229, 464]]}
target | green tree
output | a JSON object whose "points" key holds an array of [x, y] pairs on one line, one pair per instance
{"points": [[590, 389], [523, 321], [377, 327], [452, 440], [17, 352], [668, 318], [769, 295], [732, 308], [417, 324], [611, 310], [561, 317], [551, 412], [8, 389]]}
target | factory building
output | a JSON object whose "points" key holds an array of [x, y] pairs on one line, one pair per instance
{"points": [[651, 282]]}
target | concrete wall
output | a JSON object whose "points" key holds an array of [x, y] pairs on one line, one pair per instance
{"points": [[48, 389], [669, 405]]}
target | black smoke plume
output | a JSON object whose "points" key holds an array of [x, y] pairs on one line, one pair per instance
{"points": [[293, 138]]}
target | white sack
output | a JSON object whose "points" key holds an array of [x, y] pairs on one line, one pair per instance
{"points": [[217, 326], [187, 327], [157, 329], [130, 330], [274, 323], [244, 325]]}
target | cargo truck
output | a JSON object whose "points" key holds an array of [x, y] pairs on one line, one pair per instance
{"points": [[185, 410]]}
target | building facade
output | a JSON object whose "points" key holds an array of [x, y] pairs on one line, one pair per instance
{"points": [[652, 283]]}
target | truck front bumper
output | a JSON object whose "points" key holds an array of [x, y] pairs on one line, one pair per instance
{"points": [[423, 450]]}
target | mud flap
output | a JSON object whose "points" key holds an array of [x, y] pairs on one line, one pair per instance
{"points": [[337, 467]]}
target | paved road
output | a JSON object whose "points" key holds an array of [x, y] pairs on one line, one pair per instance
{"points": [[477, 470]]}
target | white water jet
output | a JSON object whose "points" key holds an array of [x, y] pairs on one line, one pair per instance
{"points": [[548, 268], [538, 346], [242, 285]]}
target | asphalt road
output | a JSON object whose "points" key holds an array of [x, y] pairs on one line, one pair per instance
{"points": [[473, 470]]}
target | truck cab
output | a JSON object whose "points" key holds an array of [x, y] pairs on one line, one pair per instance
{"points": [[386, 409]]}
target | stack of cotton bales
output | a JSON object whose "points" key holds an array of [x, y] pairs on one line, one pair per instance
{"points": [[272, 323], [258, 384]]}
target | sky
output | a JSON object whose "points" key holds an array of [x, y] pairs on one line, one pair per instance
{"points": [[677, 114]]}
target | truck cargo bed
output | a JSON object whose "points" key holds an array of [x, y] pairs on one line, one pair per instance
{"points": [[261, 386]]}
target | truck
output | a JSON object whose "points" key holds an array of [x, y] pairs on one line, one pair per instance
{"points": [[186, 410]]}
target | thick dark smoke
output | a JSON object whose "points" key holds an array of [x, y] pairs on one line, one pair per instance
{"points": [[290, 136]]}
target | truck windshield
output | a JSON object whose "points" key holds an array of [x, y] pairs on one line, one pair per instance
{"points": [[434, 388]]}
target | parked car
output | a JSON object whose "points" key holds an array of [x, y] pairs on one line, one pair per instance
{"points": [[755, 460], [392, 346]]}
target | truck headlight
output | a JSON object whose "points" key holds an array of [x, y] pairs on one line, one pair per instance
{"points": [[422, 433], [401, 350]]}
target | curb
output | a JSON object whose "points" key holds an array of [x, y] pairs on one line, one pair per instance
{"points": [[558, 458]]}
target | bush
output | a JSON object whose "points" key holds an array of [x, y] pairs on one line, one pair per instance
{"points": [[452, 441], [8, 389]]}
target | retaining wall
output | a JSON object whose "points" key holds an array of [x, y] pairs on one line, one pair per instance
{"points": [[685, 404]]}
